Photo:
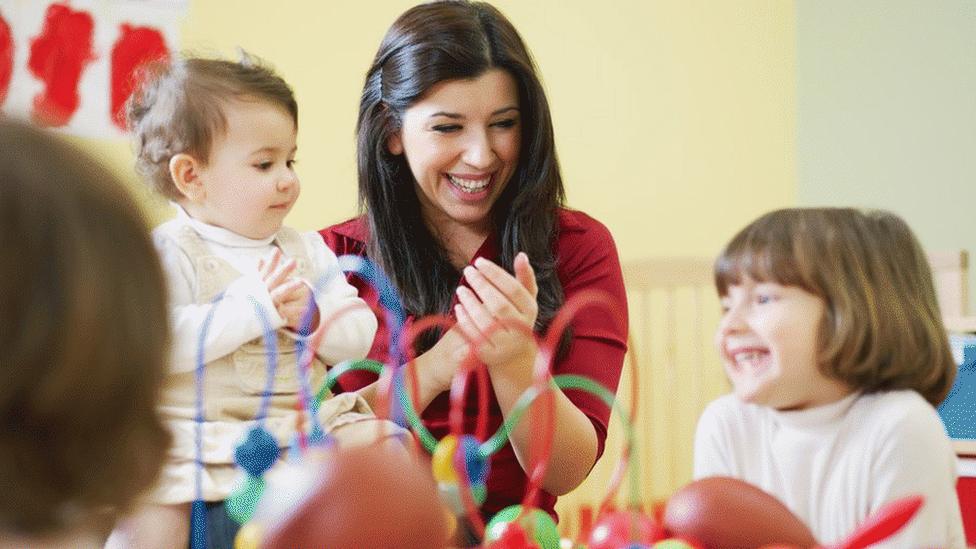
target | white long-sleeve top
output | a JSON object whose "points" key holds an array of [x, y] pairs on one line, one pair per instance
{"points": [[235, 321], [835, 465]]}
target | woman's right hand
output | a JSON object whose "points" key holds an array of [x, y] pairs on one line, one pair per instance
{"points": [[435, 370], [437, 367]]}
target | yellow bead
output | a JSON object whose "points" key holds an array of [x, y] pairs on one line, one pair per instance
{"points": [[248, 537], [443, 460]]}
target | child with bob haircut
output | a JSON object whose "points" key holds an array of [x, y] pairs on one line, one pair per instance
{"points": [[218, 138], [833, 341], [83, 345]]}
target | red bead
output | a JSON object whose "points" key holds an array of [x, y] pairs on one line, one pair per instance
{"points": [[620, 528], [512, 536]]}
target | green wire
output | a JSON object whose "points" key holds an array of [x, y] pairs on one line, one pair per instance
{"points": [[369, 365], [568, 381], [426, 438], [586, 384], [343, 367], [498, 440]]}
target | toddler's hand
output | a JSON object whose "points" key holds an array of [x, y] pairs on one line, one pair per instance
{"points": [[293, 305], [289, 295], [275, 272]]}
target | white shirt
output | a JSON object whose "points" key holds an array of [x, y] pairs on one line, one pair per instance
{"points": [[235, 321], [835, 465]]}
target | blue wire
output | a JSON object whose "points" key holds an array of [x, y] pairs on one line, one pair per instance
{"points": [[389, 298], [304, 332], [198, 521], [198, 516], [271, 351], [395, 319]]}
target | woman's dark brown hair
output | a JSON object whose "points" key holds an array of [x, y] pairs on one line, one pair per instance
{"points": [[83, 338], [428, 44], [882, 329]]}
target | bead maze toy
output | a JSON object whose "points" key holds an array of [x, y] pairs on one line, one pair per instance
{"points": [[413, 496]]}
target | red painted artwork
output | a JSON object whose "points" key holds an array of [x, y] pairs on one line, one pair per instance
{"points": [[58, 55], [6, 57], [135, 47]]}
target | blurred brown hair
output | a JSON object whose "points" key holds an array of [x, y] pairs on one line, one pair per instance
{"points": [[882, 329], [83, 338], [178, 108]]}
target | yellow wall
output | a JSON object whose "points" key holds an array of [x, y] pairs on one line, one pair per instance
{"points": [[674, 119]]}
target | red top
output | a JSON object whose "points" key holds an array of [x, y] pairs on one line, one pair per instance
{"points": [[586, 259]]}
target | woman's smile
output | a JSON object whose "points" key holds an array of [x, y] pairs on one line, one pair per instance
{"points": [[470, 187]]}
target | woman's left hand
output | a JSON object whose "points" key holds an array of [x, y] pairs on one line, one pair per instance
{"points": [[497, 295]]}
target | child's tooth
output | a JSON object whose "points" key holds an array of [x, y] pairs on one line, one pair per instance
{"points": [[748, 356]]}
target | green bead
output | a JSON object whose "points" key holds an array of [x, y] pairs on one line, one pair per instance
{"points": [[242, 503]]}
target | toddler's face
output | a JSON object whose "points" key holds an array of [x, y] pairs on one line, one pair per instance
{"points": [[249, 183], [768, 341]]}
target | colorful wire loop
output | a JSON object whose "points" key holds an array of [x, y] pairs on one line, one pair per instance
{"points": [[461, 460]]}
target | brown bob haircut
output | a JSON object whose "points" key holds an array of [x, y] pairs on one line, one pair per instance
{"points": [[83, 339], [882, 329], [178, 108]]}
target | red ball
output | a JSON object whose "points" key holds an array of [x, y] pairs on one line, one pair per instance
{"points": [[619, 528], [512, 536], [368, 496], [728, 513]]}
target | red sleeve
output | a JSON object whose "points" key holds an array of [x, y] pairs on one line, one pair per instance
{"points": [[587, 260], [346, 238]]}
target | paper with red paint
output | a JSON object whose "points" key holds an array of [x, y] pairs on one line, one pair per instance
{"points": [[6, 56], [135, 47], [57, 57], [71, 65]]}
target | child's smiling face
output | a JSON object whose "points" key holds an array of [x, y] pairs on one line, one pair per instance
{"points": [[768, 339], [249, 181]]}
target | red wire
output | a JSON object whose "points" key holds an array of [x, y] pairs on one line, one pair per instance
{"points": [[559, 324], [625, 455]]}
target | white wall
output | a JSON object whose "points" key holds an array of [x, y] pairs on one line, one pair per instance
{"points": [[886, 98]]}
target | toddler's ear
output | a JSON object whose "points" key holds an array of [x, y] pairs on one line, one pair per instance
{"points": [[185, 172]]}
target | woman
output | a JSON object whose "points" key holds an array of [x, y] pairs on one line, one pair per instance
{"points": [[460, 186]]}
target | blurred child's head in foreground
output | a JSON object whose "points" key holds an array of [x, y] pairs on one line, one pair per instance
{"points": [[83, 339]]}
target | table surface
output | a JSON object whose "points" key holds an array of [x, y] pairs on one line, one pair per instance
{"points": [[964, 447]]}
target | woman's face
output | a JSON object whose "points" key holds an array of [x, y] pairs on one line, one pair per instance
{"points": [[461, 141]]}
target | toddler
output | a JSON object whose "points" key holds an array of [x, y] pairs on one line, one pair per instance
{"points": [[218, 138], [832, 339]]}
